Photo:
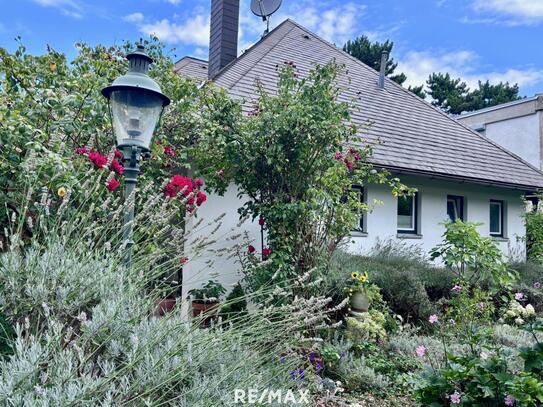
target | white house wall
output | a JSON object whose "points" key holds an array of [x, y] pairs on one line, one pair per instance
{"points": [[381, 224], [520, 135]]}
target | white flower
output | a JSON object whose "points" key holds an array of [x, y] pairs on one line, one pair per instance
{"points": [[519, 321], [530, 309]]}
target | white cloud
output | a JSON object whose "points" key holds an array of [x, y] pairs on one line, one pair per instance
{"points": [[336, 24], [517, 11], [134, 17], [418, 65], [194, 31], [174, 2], [71, 8]]}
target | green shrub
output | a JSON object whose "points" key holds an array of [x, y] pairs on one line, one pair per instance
{"points": [[530, 274], [409, 284]]}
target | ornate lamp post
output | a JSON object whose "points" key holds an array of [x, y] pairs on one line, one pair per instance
{"points": [[136, 104]]}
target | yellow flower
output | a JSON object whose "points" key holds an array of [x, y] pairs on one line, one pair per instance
{"points": [[53, 67], [363, 277], [354, 275], [61, 192]]}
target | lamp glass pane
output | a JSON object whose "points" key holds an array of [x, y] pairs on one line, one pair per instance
{"points": [[135, 115]]}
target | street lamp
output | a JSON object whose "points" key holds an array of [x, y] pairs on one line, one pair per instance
{"points": [[135, 105]]}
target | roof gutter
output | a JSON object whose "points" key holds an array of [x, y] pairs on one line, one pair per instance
{"points": [[527, 189]]}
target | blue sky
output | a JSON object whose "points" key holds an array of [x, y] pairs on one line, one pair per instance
{"points": [[499, 40]]}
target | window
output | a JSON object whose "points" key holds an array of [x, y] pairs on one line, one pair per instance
{"points": [[455, 207], [360, 226], [407, 214], [497, 218]]}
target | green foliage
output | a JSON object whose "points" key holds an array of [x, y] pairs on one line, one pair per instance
{"points": [[530, 282], [295, 157], [471, 257], [454, 96], [7, 336], [370, 53], [367, 326], [408, 283], [235, 303], [212, 290], [534, 234]]}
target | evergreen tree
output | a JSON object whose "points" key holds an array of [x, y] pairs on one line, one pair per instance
{"points": [[370, 53], [447, 93]]}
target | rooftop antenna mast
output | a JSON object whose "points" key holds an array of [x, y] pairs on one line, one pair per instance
{"points": [[264, 9]]}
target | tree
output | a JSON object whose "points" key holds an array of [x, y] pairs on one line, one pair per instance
{"points": [[418, 90], [291, 164], [453, 96], [370, 53], [447, 93], [491, 95]]}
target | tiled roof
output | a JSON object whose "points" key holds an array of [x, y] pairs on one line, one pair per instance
{"points": [[192, 67], [409, 134]]}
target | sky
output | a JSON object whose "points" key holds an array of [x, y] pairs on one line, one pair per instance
{"points": [[498, 40]]}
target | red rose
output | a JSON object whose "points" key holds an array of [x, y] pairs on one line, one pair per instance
{"points": [[261, 221], [199, 182], [266, 252], [98, 159], [178, 183], [169, 150], [200, 198], [117, 167], [118, 155], [251, 249], [81, 150], [112, 185]]}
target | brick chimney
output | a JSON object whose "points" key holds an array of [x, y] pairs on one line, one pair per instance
{"points": [[223, 38]]}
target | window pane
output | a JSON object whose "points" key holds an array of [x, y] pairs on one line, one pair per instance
{"points": [[451, 209], [495, 217], [405, 212], [455, 207]]}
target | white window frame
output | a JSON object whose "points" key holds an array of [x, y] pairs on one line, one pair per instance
{"points": [[501, 218], [414, 215]]}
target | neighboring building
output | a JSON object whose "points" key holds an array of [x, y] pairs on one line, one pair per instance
{"points": [[517, 126], [458, 172]]}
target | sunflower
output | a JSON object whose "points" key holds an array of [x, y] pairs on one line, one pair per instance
{"points": [[363, 277], [354, 275]]}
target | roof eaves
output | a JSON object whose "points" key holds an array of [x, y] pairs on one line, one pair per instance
{"points": [[498, 107]]}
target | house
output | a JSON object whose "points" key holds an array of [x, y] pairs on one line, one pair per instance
{"points": [[459, 173], [517, 126]]}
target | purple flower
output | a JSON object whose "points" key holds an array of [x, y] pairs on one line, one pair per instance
{"points": [[509, 400], [433, 319], [342, 355], [420, 351], [301, 374], [482, 305], [519, 296], [537, 285], [292, 375], [312, 357], [455, 398], [338, 156], [457, 288], [318, 366]]}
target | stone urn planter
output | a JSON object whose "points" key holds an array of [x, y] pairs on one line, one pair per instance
{"points": [[360, 301]]}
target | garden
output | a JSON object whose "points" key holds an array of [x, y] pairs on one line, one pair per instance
{"points": [[307, 324]]}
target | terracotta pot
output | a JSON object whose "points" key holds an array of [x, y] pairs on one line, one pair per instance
{"points": [[200, 307], [165, 305], [360, 301]]}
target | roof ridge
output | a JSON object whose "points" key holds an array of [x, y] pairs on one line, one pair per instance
{"points": [[252, 47], [390, 81]]}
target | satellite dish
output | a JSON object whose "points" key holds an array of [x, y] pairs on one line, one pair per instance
{"points": [[264, 9]]}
